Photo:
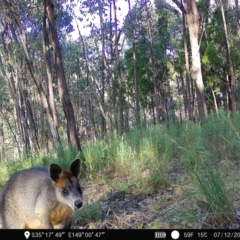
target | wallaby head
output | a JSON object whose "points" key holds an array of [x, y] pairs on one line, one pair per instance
{"points": [[66, 184], [41, 198]]}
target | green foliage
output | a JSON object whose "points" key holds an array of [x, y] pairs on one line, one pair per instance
{"points": [[206, 147], [10, 166], [88, 213], [203, 156], [222, 132], [198, 158], [95, 153], [212, 189], [202, 152], [211, 56], [144, 73]]}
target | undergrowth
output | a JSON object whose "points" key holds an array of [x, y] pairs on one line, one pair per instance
{"points": [[195, 165]]}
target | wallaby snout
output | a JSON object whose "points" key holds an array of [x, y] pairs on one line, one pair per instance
{"points": [[78, 203], [41, 198]]}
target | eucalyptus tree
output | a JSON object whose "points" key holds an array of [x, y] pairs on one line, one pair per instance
{"points": [[148, 10], [152, 50], [189, 96], [132, 17], [117, 32], [220, 56], [192, 16], [22, 24], [14, 52], [237, 16], [231, 79], [97, 63], [104, 62], [62, 83]]}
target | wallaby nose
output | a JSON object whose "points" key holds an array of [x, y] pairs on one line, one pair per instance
{"points": [[78, 203]]}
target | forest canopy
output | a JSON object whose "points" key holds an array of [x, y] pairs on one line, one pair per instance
{"points": [[73, 71]]}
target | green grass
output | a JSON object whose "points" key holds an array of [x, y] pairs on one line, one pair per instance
{"points": [[213, 191], [197, 162], [89, 213]]}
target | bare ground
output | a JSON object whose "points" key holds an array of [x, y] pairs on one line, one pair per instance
{"points": [[108, 206]]}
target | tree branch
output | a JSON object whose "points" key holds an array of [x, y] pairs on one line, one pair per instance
{"points": [[180, 5], [163, 4]]}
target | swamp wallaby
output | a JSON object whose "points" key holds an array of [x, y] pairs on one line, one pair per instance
{"points": [[41, 198]]}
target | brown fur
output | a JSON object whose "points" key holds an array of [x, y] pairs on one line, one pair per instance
{"points": [[62, 179], [39, 198], [61, 212]]}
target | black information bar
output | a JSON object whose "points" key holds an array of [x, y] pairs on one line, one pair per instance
{"points": [[119, 234]]}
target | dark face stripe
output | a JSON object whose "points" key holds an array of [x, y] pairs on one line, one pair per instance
{"points": [[71, 184]]}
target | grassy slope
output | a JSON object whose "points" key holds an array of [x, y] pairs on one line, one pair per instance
{"points": [[184, 176]]}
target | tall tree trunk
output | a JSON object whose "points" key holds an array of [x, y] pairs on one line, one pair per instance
{"points": [[237, 17], [104, 73], [214, 100], [62, 84], [55, 139], [5, 119], [229, 92], [26, 110], [2, 137], [30, 120], [92, 120], [94, 85], [155, 84], [187, 69], [45, 44], [137, 104], [119, 75], [18, 93], [231, 79], [193, 26]]}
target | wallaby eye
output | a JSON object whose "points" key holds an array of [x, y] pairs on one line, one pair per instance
{"points": [[64, 191]]}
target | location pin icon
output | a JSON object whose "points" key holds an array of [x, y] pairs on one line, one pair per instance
{"points": [[27, 234]]}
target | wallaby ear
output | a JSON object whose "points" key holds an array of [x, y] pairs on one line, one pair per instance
{"points": [[55, 171], [74, 167]]}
